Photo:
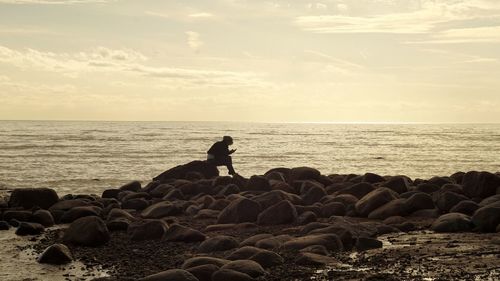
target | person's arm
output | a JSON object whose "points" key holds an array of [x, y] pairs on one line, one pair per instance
{"points": [[231, 151]]}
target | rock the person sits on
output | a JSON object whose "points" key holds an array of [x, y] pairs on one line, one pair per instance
{"points": [[219, 154]]}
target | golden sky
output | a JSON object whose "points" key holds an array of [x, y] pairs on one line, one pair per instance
{"points": [[265, 61]]}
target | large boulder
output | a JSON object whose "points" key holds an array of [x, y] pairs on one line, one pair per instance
{"points": [[467, 207], [203, 272], [452, 222], [28, 198], [147, 230], [393, 208], [249, 267], [486, 219], [375, 199], [303, 173], [134, 186], [258, 183], [267, 199], [179, 233], [313, 195], [197, 261], [419, 201], [399, 184], [182, 171], [80, 212], [480, 184], [87, 231], [218, 243], [239, 210], [333, 209], [43, 217], [171, 275], [446, 200], [29, 228], [56, 254], [330, 241], [281, 213], [160, 210], [359, 189], [230, 275]]}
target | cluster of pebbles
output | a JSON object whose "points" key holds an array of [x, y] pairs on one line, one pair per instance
{"points": [[191, 224]]}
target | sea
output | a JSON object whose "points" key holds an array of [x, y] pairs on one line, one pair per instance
{"points": [[90, 156]]}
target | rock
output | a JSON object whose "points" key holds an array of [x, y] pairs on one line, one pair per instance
{"points": [[28, 198], [135, 204], [427, 188], [273, 197], [487, 218], [171, 275], [56, 254], [316, 249], [160, 210], [206, 214], [267, 258], [333, 209], [219, 204], [134, 186], [244, 253], [426, 213], [419, 201], [393, 208], [180, 172], [313, 195], [230, 275], [116, 213], [466, 207], [480, 184], [394, 220], [358, 190], [273, 242], [346, 199], [87, 231], [161, 190], [249, 267], [43, 217], [490, 200], [4, 225], [304, 173], [65, 205], [147, 230], [446, 200], [203, 272], [306, 217], [367, 243], [111, 193], [229, 189], [312, 259], [258, 183], [281, 213], [218, 243], [197, 261], [452, 222], [29, 228], [251, 241], [240, 210], [372, 178], [80, 212], [375, 199], [179, 233], [331, 241], [17, 215], [118, 225], [399, 184]]}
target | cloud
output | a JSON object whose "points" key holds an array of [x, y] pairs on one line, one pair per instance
{"points": [[54, 2], [202, 15], [488, 34], [124, 61], [193, 40]]}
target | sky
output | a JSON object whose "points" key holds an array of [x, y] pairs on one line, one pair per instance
{"points": [[258, 61]]}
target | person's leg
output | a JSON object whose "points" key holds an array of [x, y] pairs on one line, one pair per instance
{"points": [[229, 164]]}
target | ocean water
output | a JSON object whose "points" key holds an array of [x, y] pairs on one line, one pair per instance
{"points": [[88, 157]]}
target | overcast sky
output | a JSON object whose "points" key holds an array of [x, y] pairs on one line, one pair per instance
{"points": [[236, 60]]}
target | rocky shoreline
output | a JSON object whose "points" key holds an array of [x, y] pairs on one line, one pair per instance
{"points": [[189, 223]]}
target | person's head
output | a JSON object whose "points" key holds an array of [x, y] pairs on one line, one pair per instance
{"points": [[228, 140]]}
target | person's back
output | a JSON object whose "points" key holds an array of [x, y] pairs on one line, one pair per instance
{"points": [[219, 154]]}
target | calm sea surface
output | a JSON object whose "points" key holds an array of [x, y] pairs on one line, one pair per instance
{"points": [[82, 157]]}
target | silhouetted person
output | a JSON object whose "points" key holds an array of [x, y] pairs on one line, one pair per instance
{"points": [[219, 153]]}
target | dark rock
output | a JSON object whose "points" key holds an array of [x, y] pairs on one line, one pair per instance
{"points": [[358, 190], [134, 186], [480, 184], [372, 178], [333, 209], [270, 198], [489, 200], [56, 254], [427, 188], [367, 243], [446, 200], [218, 243], [203, 272], [111, 193], [180, 172], [171, 275], [17, 215], [331, 241], [135, 204], [240, 210], [419, 201], [118, 225], [346, 199], [197, 261], [281, 213], [267, 258], [87, 231], [147, 230], [306, 217], [4, 225], [43, 217], [29, 228], [316, 249], [251, 241], [313, 195], [466, 207], [452, 222], [229, 189], [160, 210], [375, 199], [31, 197], [487, 218], [179, 233], [206, 214], [230, 275], [80, 212], [273, 242], [258, 183], [249, 267], [399, 184], [65, 205], [312, 259], [304, 173], [393, 208]]}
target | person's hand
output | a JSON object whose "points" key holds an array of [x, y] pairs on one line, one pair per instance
{"points": [[232, 151]]}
